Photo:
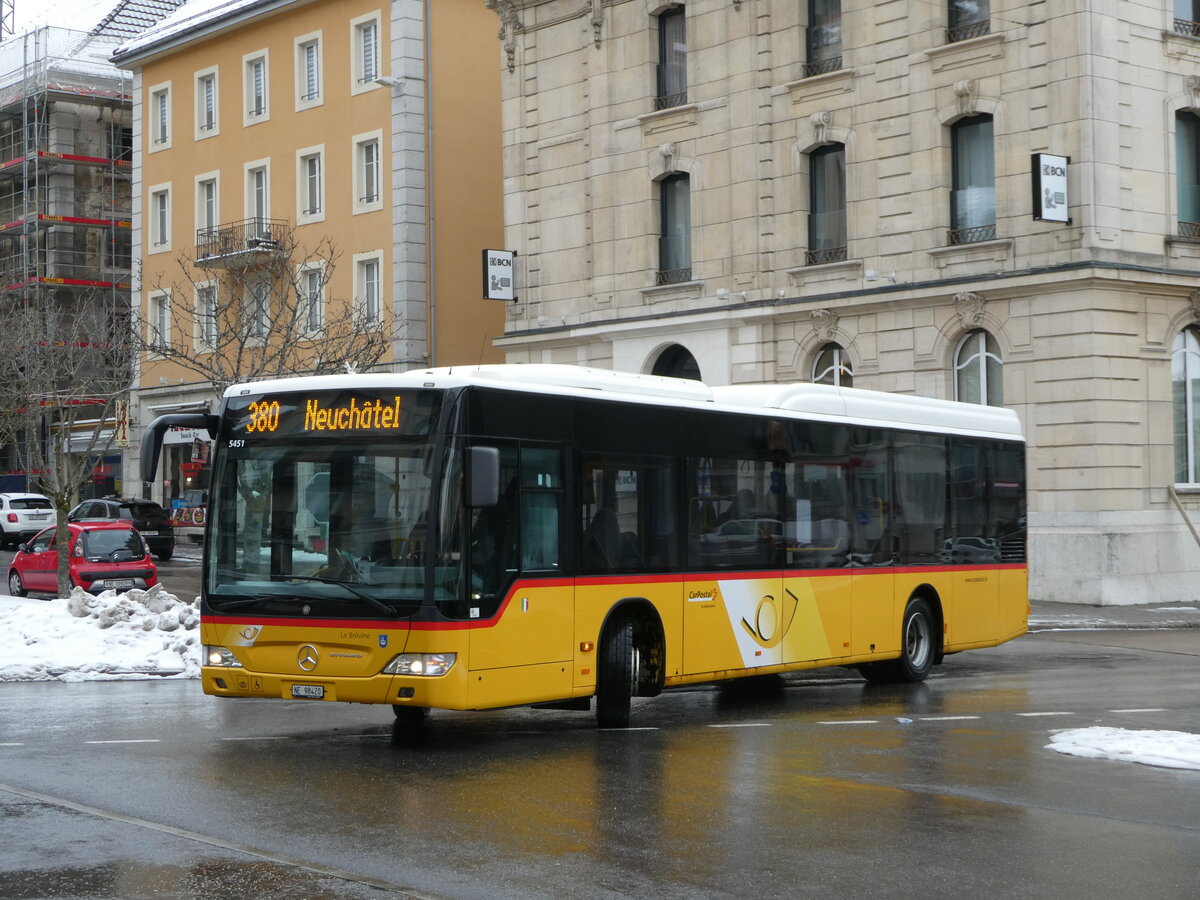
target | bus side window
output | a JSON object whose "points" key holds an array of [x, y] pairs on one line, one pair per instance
{"points": [[541, 502]]}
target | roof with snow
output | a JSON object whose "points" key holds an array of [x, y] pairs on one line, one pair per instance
{"points": [[196, 18], [129, 18]]}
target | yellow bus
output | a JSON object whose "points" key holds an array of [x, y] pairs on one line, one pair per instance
{"points": [[491, 536]]}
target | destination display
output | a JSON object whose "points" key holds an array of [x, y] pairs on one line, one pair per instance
{"points": [[396, 412]]}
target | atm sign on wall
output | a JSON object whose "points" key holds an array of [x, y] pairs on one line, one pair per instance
{"points": [[499, 282], [1050, 188]]}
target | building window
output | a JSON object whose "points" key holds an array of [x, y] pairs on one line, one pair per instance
{"points": [[832, 366], [309, 77], [675, 237], [827, 205], [312, 298], [968, 19], [364, 38], [258, 311], [367, 173], [677, 362], [978, 372], [160, 218], [256, 87], [258, 199], [824, 39], [206, 104], [160, 118], [367, 287], [672, 59], [1187, 17], [206, 315], [310, 187], [1185, 405], [160, 321], [973, 181], [1187, 172], [207, 216]]}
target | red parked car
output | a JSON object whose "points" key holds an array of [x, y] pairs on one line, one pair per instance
{"points": [[103, 556]]}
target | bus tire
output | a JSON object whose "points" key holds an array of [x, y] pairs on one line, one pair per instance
{"points": [[917, 648], [410, 726], [617, 677]]}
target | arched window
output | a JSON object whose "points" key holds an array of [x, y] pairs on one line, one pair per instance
{"points": [[677, 362], [978, 370], [832, 366], [1185, 405]]}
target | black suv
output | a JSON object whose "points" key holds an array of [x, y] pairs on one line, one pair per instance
{"points": [[148, 518]]}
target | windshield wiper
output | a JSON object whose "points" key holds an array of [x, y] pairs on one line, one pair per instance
{"points": [[384, 608], [361, 595]]}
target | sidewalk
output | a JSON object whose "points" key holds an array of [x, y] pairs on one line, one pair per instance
{"points": [[1046, 616]]}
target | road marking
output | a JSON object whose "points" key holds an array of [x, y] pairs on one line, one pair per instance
{"points": [[138, 741], [1038, 714], [262, 737], [947, 718], [851, 722], [744, 725], [12, 745], [1144, 709]]}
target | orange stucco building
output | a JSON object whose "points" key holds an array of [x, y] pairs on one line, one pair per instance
{"points": [[360, 139]]}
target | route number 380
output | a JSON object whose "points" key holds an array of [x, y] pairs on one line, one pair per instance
{"points": [[264, 416]]}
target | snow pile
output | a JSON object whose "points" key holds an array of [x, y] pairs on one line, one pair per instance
{"points": [[134, 634], [1171, 749]]}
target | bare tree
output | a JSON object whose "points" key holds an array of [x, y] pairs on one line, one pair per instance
{"points": [[68, 365], [251, 303]]}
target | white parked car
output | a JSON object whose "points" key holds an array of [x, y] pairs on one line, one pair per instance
{"points": [[22, 516]]}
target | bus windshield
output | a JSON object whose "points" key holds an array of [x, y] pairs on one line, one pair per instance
{"points": [[329, 522]]}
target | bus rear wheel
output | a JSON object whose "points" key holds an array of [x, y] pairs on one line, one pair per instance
{"points": [[917, 650], [617, 678]]}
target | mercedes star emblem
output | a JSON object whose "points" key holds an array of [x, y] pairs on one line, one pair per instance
{"points": [[307, 657]]}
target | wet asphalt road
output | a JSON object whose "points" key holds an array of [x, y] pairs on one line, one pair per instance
{"points": [[810, 786]]}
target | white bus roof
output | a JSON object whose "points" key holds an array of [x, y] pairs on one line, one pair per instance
{"points": [[804, 400]]}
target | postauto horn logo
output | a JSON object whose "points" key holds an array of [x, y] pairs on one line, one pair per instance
{"points": [[772, 619]]}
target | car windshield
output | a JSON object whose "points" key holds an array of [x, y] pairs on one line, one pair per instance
{"points": [[112, 544]]}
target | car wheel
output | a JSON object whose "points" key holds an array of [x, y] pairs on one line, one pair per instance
{"points": [[16, 587], [165, 555]]}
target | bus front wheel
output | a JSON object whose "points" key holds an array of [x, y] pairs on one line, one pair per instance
{"points": [[617, 678]]}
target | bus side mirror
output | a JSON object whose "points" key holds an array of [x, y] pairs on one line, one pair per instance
{"points": [[152, 440], [483, 476]]}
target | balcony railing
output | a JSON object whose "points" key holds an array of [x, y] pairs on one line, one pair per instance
{"points": [[822, 66], [1187, 27], [824, 255], [1190, 230], [239, 242], [968, 30], [972, 235], [673, 276]]}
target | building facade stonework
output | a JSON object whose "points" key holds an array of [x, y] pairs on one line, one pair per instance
{"points": [[926, 119]]}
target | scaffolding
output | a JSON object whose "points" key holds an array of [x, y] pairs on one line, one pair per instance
{"points": [[66, 166]]}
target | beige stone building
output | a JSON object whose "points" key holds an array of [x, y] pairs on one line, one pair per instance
{"points": [[776, 190]]}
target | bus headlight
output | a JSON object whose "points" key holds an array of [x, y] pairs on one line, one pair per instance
{"points": [[421, 664], [220, 656]]}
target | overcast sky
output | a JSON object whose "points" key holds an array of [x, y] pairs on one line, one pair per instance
{"points": [[78, 14]]}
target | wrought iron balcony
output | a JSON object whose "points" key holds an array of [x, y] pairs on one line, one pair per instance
{"points": [[240, 243], [673, 276], [972, 235], [822, 66], [1189, 230], [968, 30], [1187, 27], [825, 255]]}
